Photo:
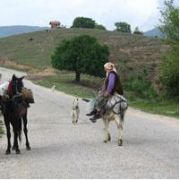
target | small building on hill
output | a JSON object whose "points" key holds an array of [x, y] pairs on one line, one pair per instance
{"points": [[54, 24]]}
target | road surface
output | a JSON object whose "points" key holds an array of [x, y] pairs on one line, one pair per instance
{"points": [[63, 150]]}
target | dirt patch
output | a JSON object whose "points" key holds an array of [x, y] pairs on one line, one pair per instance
{"points": [[33, 73], [14, 65], [42, 74]]}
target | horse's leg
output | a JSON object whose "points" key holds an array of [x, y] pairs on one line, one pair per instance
{"points": [[26, 132], [119, 123], [8, 132], [16, 147], [107, 136]]}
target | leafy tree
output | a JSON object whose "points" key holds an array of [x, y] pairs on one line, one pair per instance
{"points": [[99, 26], [170, 21], [123, 27], [137, 31], [169, 73], [83, 22], [82, 54]]}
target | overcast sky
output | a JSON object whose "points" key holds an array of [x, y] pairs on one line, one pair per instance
{"points": [[142, 13]]}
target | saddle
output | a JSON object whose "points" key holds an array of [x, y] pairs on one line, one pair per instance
{"points": [[117, 103]]}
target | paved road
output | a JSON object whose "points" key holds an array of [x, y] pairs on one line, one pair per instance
{"points": [[62, 150]]}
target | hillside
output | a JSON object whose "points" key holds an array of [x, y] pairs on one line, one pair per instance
{"points": [[134, 54], [14, 30], [154, 33]]}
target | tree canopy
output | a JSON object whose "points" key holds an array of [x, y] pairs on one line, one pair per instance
{"points": [[123, 27], [170, 21], [82, 54], [137, 31], [83, 22]]}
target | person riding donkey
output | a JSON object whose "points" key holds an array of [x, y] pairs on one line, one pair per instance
{"points": [[111, 86]]}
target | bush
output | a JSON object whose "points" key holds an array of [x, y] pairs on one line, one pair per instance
{"points": [[170, 72], [140, 87]]}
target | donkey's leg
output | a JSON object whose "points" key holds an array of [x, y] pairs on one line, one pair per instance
{"points": [[26, 132], [8, 132], [119, 123], [107, 136]]}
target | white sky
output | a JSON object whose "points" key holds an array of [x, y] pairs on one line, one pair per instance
{"points": [[142, 13]]}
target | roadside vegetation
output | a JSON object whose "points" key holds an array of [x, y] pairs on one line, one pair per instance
{"points": [[143, 97]]}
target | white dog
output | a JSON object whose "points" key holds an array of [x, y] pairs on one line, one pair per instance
{"points": [[75, 111]]}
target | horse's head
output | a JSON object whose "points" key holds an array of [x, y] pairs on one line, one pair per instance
{"points": [[17, 84]]}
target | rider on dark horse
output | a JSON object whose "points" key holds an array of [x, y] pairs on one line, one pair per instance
{"points": [[15, 87], [14, 108], [111, 85]]}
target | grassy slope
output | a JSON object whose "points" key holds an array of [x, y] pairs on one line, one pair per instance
{"points": [[136, 53], [134, 49]]}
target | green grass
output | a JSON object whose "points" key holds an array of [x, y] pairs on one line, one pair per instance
{"points": [[64, 81], [88, 88], [162, 107]]}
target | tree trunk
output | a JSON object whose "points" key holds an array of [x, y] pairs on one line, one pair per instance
{"points": [[78, 76]]}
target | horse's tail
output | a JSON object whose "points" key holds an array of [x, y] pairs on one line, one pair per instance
{"points": [[19, 129]]}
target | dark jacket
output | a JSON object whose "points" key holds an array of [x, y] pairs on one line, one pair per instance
{"points": [[118, 86]]}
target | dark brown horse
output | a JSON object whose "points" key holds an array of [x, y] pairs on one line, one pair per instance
{"points": [[14, 110]]}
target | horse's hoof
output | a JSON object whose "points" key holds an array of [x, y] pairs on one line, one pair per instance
{"points": [[13, 148], [109, 137], [8, 152], [106, 140], [18, 151], [120, 142], [28, 148]]}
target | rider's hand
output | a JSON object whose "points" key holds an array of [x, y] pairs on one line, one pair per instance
{"points": [[107, 94]]}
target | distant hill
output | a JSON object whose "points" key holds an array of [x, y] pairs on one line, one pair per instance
{"points": [[133, 54], [14, 30], [154, 33]]}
